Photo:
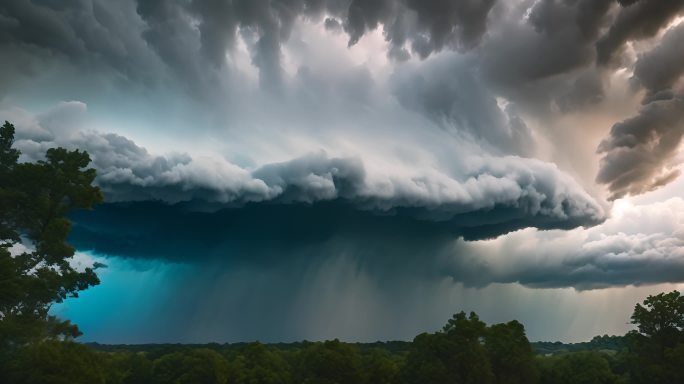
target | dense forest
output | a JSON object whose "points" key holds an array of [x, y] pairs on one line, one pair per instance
{"points": [[35, 347]]}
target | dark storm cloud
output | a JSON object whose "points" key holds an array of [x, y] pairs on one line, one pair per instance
{"points": [[450, 92], [426, 26], [539, 56], [93, 35], [556, 38], [173, 232], [497, 194], [193, 38], [639, 153], [660, 68], [542, 57], [636, 20], [644, 247]]}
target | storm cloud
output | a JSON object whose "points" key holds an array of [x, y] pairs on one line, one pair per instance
{"points": [[662, 67], [486, 196], [636, 20], [194, 38], [639, 155], [640, 245]]}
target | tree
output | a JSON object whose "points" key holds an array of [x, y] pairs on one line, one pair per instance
{"points": [[35, 199], [454, 355], [258, 363], [510, 353], [55, 362], [655, 350], [196, 366], [577, 368], [330, 362], [380, 367], [661, 318]]}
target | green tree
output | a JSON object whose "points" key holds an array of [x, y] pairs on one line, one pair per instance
{"points": [[196, 366], [661, 318], [586, 367], [380, 367], [330, 362], [257, 363], [56, 362], [454, 355], [510, 354], [427, 360], [655, 350], [128, 368], [35, 199]]}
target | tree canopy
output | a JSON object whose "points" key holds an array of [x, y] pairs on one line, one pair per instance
{"points": [[35, 268]]}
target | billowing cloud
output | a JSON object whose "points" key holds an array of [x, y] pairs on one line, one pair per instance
{"points": [[506, 193], [660, 68], [640, 153], [194, 39], [639, 245], [450, 92], [636, 20]]}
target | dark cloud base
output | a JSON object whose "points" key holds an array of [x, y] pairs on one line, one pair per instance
{"points": [[273, 231]]}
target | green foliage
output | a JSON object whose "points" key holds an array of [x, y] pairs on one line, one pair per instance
{"points": [[129, 368], [380, 366], [455, 355], [656, 351], [196, 366], [466, 350], [56, 362], [576, 368], [330, 362], [605, 343], [510, 354], [35, 199], [661, 318], [257, 363]]}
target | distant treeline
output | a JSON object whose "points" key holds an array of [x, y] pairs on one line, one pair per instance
{"points": [[465, 350], [605, 343]]}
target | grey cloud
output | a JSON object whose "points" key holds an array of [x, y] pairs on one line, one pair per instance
{"points": [[660, 68], [645, 245], [639, 153], [641, 246], [90, 35], [637, 20], [450, 92], [332, 24], [431, 26], [495, 194], [193, 38], [546, 60]]}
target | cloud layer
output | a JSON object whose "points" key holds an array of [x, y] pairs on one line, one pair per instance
{"points": [[493, 195], [639, 245], [541, 60]]}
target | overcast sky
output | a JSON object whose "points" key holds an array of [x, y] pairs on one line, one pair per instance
{"points": [[306, 169]]}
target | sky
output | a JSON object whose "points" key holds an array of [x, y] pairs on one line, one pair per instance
{"points": [[280, 170]]}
